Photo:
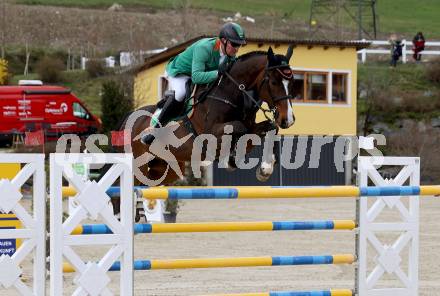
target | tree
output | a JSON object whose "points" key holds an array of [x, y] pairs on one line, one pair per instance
{"points": [[116, 102], [49, 69], [4, 75]]}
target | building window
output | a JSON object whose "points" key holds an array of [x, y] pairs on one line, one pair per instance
{"points": [[339, 88], [162, 87], [315, 87], [297, 87]]}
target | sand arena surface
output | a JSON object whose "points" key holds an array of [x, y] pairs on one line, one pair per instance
{"points": [[285, 243], [247, 244]]}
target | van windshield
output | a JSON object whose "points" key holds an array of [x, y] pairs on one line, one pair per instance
{"points": [[80, 112]]}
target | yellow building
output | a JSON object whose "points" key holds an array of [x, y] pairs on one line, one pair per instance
{"points": [[325, 75]]}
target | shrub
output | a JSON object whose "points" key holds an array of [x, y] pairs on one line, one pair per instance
{"points": [[4, 74], [433, 71], [419, 103], [95, 68], [50, 69], [115, 103], [16, 56], [419, 139]]}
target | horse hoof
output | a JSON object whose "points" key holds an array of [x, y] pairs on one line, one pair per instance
{"points": [[231, 165], [261, 177], [230, 169]]}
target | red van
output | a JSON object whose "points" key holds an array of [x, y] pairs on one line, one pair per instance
{"points": [[32, 106]]}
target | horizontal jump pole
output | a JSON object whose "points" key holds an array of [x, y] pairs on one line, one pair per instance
{"points": [[251, 192], [113, 191], [332, 292], [231, 262], [223, 227], [255, 192]]}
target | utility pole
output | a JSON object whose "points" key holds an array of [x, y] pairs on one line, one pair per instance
{"points": [[328, 17]]}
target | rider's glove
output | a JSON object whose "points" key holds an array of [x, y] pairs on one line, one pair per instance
{"points": [[223, 68]]}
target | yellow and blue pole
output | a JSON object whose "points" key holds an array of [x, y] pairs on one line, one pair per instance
{"points": [[253, 192], [113, 191], [333, 292], [232, 262], [223, 227]]}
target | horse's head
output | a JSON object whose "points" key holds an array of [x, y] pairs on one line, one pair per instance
{"points": [[274, 88]]}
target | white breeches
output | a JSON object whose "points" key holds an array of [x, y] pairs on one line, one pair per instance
{"points": [[178, 84]]}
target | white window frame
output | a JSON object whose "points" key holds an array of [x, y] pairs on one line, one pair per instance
{"points": [[159, 86], [329, 87]]}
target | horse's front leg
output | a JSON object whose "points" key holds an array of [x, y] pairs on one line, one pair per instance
{"points": [[267, 166], [262, 128]]}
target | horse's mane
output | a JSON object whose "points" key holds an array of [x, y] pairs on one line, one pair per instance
{"points": [[251, 54]]}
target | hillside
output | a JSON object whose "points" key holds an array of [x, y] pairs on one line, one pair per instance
{"points": [[403, 16], [88, 27], [403, 104], [95, 32]]}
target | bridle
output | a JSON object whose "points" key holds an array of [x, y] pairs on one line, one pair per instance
{"points": [[285, 75], [272, 109]]}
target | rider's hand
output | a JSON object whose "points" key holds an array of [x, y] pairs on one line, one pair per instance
{"points": [[223, 68]]}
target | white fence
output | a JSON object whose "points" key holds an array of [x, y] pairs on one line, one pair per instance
{"points": [[92, 278], [33, 230], [125, 59], [383, 47]]}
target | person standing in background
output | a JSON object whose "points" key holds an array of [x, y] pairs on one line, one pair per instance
{"points": [[418, 46], [396, 49]]}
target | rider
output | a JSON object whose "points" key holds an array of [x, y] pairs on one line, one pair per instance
{"points": [[202, 62]]}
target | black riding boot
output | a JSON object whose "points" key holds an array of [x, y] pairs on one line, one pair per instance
{"points": [[171, 109]]}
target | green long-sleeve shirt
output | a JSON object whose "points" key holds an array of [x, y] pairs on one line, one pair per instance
{"points": [[200, 61]]}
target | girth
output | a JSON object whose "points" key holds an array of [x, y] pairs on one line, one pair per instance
{"points": [[187, 124]]}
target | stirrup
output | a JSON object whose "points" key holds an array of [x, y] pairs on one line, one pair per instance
{"points": [[148, 139]]}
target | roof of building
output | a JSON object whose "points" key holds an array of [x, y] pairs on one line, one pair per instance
{"points": [[175, 50]]}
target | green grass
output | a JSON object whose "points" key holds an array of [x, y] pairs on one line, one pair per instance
{"points": [[403, 16], [16, 78], [406, 16], [408, 76], [406, 80], [86, 89]]}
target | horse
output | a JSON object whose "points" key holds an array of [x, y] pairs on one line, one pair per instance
{"points": [[228, 104]]}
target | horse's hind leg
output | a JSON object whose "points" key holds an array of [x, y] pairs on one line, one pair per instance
{"points": [[234, 129]]}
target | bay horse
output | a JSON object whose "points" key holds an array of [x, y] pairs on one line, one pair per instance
{"points": [[232, 100]]}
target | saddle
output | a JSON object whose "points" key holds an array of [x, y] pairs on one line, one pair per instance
{"points": [[187, 110]]}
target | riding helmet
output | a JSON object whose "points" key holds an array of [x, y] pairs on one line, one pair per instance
{"points": [[233, 32]]}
